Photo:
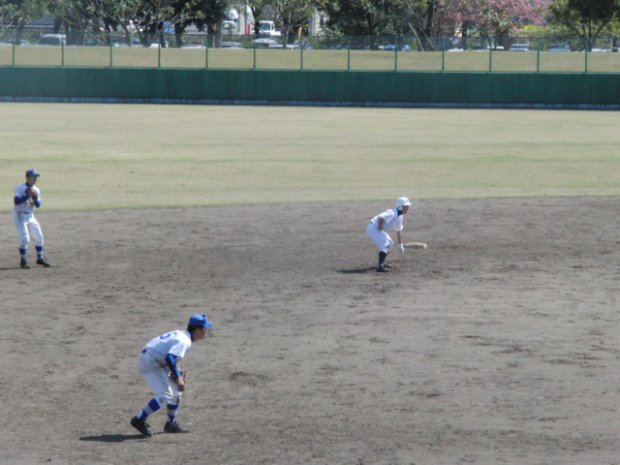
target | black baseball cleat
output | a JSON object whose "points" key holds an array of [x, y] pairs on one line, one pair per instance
{"points": [[174, 428], [382, 269], [141, 426], [43, 262], [23, 263]]}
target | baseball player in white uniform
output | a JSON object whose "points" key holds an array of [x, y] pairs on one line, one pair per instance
{"points": [[27, 197], [158, 365], [379, 227]]}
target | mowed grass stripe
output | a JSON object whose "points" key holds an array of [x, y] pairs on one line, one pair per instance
{"points": [[137, 156]]}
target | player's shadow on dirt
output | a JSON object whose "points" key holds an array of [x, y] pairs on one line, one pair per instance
{"points": [[112, 437], [358, 270]]}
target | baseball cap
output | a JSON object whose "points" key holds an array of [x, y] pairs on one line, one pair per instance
{"points": [[200, 320], [32, 172], [403, 202]]}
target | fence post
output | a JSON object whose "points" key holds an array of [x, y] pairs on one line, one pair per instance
{"points": [[254, 65], [349, 55], [62, 53], [538, 57], [396, 54], [490, 59], [159, 54], [111, 58], [443, 58], [586, 59], [206, 54], [301, 55], [13, 53]]}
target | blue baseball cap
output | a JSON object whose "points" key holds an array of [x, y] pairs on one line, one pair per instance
{"points": [[200, 320], [32, 172]]}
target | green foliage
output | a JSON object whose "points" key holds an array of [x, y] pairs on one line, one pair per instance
{"points": [[587, 18], [142, 16], [595, 10], [18, 13], [358, 17], [292, 14]]}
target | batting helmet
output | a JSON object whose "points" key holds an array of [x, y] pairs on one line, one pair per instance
{"points": [[32, 172], [403, 202]]}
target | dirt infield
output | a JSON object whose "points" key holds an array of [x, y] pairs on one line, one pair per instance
{"points": [[498, 344]]}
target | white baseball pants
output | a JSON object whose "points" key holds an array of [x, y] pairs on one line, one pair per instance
{"points": [[24, 222], [381, 239], [156, 376]]}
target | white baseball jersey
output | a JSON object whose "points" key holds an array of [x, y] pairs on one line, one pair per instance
{"points": [[27, 206], [152, 364], [175, 343], [392, 220]]}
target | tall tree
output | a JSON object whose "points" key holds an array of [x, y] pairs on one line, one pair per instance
{"points": [[357, 17], [292, 14], [496, 18], [17, 13], [427, 20], [204, 14], [257, 7], [586, 18], [102, 17]]}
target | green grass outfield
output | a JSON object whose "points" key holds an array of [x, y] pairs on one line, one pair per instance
{"points": [[103, 156]]}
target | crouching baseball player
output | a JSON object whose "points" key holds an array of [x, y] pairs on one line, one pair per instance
{"points": [[27, 197], [379, 227], [158, 364]]}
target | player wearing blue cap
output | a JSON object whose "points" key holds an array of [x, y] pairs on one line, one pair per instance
{"points": [[158, 365], [27, 197]]}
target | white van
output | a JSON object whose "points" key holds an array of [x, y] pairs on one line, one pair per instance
{"points": [[52, 39], [268, 28]]}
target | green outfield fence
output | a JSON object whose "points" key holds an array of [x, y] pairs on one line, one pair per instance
{"points": [[396, 54], [312, 88]]}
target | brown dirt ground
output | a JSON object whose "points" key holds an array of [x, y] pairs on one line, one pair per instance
{"points": [[496, 345]]}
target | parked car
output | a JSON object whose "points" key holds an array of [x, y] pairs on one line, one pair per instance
{"points": [[303, 44], [496, 48], [231, 44], [52, 39], [520, 48], [559, 48], [121, 41], [166, 44], [229, 28], [392, 47], [267, 42], [192, 46], [16, 42]]}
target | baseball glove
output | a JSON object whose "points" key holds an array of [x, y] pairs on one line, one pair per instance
{"points": [[182, 380]]}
